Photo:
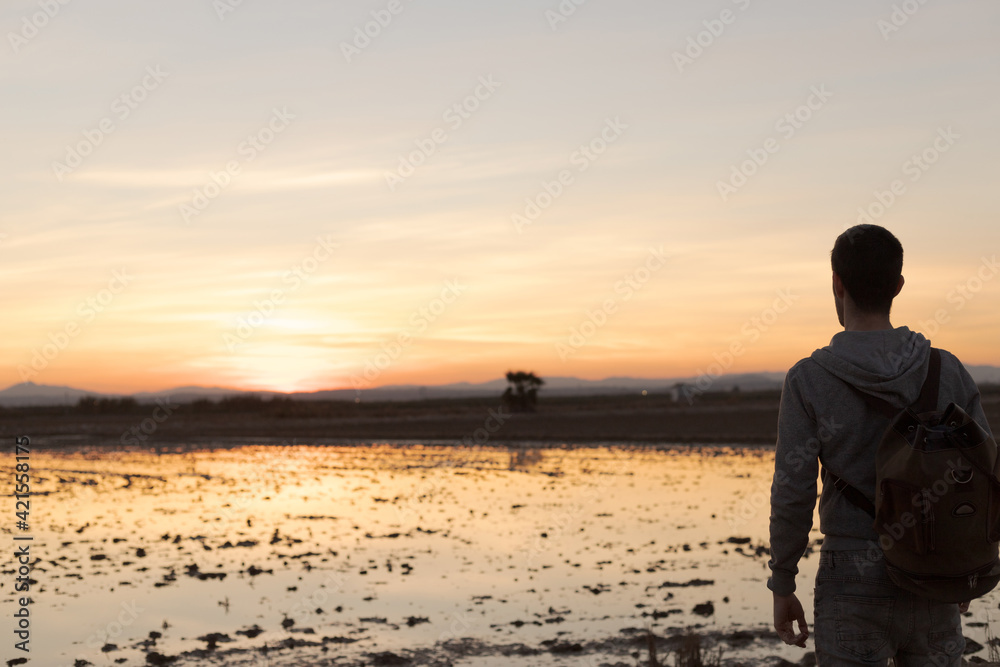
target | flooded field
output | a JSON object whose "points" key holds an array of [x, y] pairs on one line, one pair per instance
{"points": [[400, 554]]}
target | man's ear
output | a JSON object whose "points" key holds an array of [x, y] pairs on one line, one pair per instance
{"points": [[838, 286], [899, 287]]}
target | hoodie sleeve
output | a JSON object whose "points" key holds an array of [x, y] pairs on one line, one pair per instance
{"points": [[962, 389], [793, 488], [975, 406]]}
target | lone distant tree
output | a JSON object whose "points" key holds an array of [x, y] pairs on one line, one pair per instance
{"points": [[522, 394]]}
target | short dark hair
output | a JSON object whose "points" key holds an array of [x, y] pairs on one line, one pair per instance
{"points": [[869, 261]]}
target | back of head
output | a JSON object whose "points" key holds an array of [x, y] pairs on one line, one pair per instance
{"points": [[869, 261]]}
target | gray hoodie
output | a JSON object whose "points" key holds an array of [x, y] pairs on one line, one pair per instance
{"points": [[821, 420]]}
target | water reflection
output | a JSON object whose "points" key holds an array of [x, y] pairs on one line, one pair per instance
{"points": [[523, 456], [512, 556]]}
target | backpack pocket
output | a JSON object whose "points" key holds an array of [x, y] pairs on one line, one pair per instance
{"points": [[904, 518], [993, 512]]}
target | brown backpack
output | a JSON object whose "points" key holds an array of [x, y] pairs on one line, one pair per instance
{"points": [[937, 504]]}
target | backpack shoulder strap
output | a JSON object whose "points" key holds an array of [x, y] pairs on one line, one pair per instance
{"points": [[928, 399], [854, 496]]}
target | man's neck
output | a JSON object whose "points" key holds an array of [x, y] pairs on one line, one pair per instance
{"points": [[866, 322]]}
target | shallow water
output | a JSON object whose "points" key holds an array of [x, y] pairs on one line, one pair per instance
{"points": [[459, 555]]}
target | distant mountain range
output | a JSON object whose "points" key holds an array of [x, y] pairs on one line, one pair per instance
{"points": [[29, 393]]}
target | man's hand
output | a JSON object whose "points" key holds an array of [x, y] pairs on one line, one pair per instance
{"points": [[788, 611]]}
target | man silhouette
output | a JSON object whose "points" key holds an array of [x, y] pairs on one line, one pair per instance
{"points": [[861, 616]]}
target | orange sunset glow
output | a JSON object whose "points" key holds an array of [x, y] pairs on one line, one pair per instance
{"points": [[261, 199]]}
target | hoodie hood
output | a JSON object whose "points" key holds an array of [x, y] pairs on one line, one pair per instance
{"points": [[889, 364]]}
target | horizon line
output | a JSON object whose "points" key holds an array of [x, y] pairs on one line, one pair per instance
{"points": [[384, 386]]}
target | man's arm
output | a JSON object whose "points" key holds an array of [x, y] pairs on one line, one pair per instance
{"points": [[793, 488], [974, 405], [975, 410]]}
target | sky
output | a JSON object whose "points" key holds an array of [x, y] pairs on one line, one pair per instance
{"points": [[305, 195]]}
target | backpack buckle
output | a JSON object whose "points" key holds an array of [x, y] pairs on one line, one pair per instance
{"points": [[959, 475]]}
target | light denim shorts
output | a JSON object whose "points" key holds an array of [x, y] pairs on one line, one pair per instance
{"points": [[863, 618]]}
